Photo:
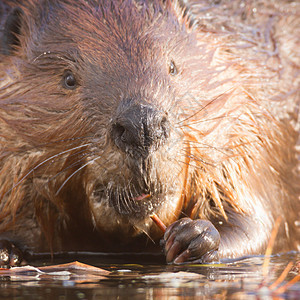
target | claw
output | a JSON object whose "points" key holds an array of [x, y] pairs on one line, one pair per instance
{"points": [[191, 241], [10, 255]]}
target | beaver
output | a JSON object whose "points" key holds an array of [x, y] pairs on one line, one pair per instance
{"points": [[111, 111]]}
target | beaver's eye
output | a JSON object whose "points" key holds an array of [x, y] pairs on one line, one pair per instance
{"points": [[172, 68], [69, 81]]}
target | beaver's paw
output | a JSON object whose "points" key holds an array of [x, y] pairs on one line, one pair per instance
{"points": [[191, 241], [10, 255]]}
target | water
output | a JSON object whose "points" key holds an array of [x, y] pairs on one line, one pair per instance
{"points": [[148, 277]]}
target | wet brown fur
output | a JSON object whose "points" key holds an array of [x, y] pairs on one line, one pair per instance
{"points": [[232, 155]]}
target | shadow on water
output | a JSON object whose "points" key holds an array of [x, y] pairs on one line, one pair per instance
{"points": [[148, 277]]}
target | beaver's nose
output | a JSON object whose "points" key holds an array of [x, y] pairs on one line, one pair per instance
{"points": [[139, 129]]}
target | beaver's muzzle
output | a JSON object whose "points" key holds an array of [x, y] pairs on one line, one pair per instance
{"points": [[139, 128]]}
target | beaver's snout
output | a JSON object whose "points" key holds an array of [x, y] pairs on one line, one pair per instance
{"points": [[138, 129]]}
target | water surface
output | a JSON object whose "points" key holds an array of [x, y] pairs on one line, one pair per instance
{"points": [[148, 277]]}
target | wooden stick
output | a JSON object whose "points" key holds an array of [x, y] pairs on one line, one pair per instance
{"points": [[268, 253], [158, 222], [282, 276], [283, 288]]}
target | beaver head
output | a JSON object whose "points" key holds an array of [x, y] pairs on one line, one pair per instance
{"points": [[103, 91]]}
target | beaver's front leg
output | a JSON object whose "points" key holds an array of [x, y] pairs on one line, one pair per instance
{"points": [[188, 240], [202, 241]]}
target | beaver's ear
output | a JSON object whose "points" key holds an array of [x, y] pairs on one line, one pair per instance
{"points": [[11, 31]]}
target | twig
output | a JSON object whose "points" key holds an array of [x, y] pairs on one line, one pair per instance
{"points": [[282, 276], [270, 246], [158, 222], [283, 288]]}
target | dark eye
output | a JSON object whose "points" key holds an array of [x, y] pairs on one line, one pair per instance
{"points": [[172, 68], [69, 81]]}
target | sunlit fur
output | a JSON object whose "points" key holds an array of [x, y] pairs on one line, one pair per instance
{"points": [[233, 107]]}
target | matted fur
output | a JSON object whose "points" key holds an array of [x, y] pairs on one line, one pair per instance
{"points": [[233, 107]]}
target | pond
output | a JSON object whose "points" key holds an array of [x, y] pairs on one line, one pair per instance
{"points": [[148, 277]]}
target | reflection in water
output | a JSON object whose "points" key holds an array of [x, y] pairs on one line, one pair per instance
{"points": [[240, 279]]}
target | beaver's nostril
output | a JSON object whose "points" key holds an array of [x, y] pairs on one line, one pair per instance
{"points": [[139, 128]]}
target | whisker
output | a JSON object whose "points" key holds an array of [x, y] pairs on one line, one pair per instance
{"points": [[42, 163], [129, 195], [39, 146], [117, 196], [64, 140], [204, 146], [70, 166], [195, 159], [203, 107], [83, 166], [146, 233], [232, 117], [206, 120]]}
